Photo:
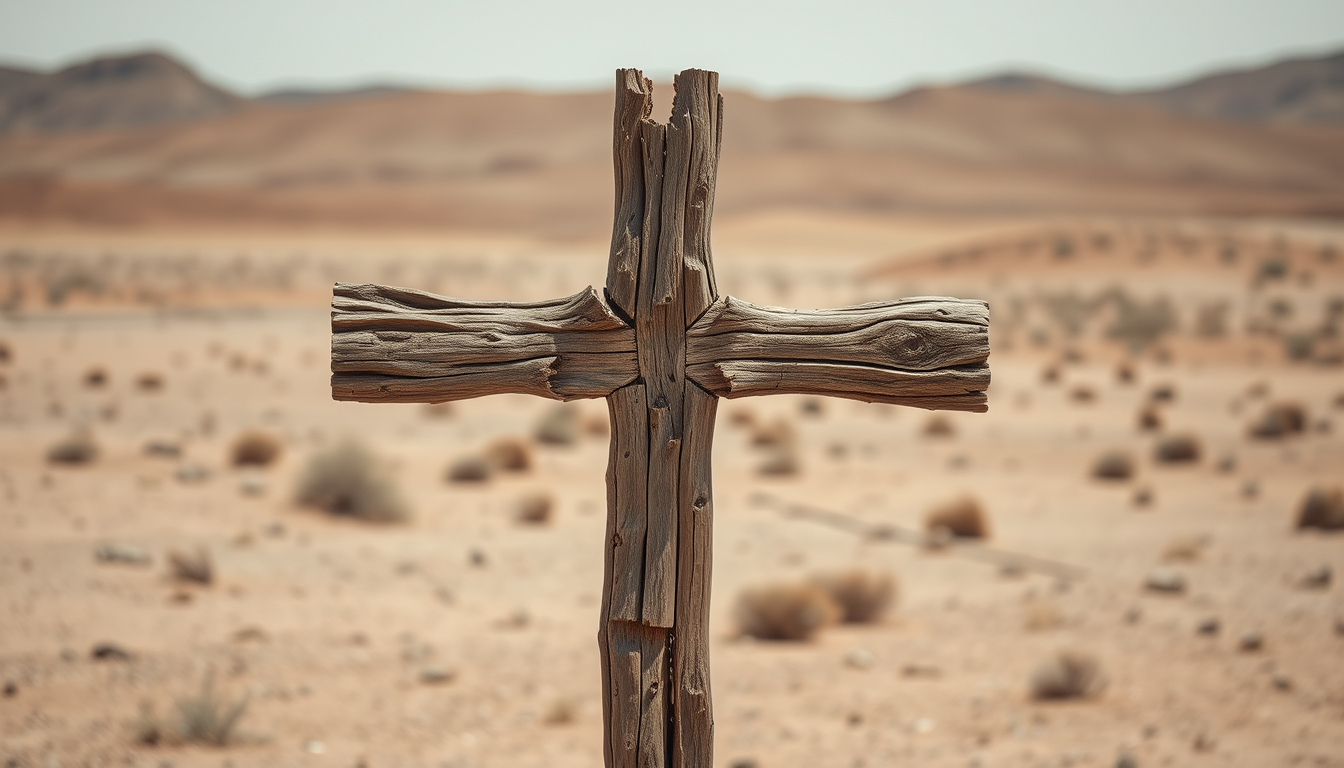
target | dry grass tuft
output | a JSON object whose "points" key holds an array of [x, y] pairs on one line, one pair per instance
{"points": [[939, 425], [470, 469], [963, 517], [560, 426], [863, 596], [785, 612], [348, 480], [78, 448], [255, 449], [1177, 449], [149, 381], [1113, 465], [1068, 675], [204, 719], [1280, 420], [197, 567], [1323, 509], [509, 454], [534, 509]]}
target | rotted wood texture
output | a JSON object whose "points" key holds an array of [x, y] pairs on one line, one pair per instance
{"points": [[400, 345]]}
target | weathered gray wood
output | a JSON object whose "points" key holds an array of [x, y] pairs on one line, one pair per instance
{"points": [[662, 352], [627, 508], [694, 712], [957, 388], [634, 104]]}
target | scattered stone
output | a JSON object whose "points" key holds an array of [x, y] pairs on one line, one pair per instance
{"points": [[1177, 449], [163, 449], [252, 634], [916, 670], [1067, 675], [477, 558], [1323, 509], [1204, 743], [1134, 615], [1251, 641], [110, 652], [252, 483], [11, 689], [79, 448], [534, 509], [121, 553], [1143, 497], [436, 675], [1126, 760], [560, 426], [745, 762], [1282, 682], [1227, 464], [1317, 578], [314, 747], [470, 469], [190, 474], [1167, 580], [858, 658], [1113, 465], [1208, 627], [1279, 420], [1250, 489]]}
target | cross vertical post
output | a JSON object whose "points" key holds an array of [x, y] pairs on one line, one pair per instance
{"points": [[661, 346]]}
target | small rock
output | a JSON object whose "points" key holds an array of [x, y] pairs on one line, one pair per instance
{"points": [[858, 658], [745, 762], [252, 483], [191, 474], [11, 689], [1208, 627], [1250, 489], [110, 652], [921, 670], [435, 675], [121, 553], [314, 747], [1251, 641], [922, 725], [1133, 615], [1126, 760], [477, 558], [1167, 580], [69, 655], [1282, 682], [275, 530], [1339, 627], [1319, 578], [1143, 497], [164, 449], [1204, 743]]}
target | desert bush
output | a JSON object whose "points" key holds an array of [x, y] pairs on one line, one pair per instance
{"points": [[205, 719], [1322, 508], [1113, 465], [962, 517], [78, 448], [534, 509], [255, 449], [785, 611], [776, 434], [1068, 675], [509, 454], [1278, 420], [862, 596], [347, 479], [149, 381], [1177, 449], [559, 426], [1140, 324], [470, 469], [196, 566], [95, 377], [939, 425]]}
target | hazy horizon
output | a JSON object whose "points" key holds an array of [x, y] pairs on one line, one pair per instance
{"points": [[846, 49]]}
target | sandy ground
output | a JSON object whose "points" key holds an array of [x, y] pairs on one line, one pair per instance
{"points": [[329, 625]]}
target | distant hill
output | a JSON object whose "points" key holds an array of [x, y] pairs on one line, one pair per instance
{"points": [[300, 96], [112, 92]]}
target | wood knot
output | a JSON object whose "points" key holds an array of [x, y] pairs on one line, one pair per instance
{"points": [[660, 402]]}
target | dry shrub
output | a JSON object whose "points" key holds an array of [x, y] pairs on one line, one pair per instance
{"points": [[197, 566], [509, 454], [785, 612], [78, 448], [1280, 420], [1042, 614], [1184, 549], [1323, 509], [470, 469], [95, 378], [1113, 465], [778, 433], [1150, 418], [939, 425], [963, 517], [534, 509], [205, 719], [863, 596], [780, 461], [348, 479], [1068, 675], [1177, 449], [149, 381], [560, 426], [255, 449]]}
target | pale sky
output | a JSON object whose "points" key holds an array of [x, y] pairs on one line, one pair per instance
{"points": [[840, 47]]}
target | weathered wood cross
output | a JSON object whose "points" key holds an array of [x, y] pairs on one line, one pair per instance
{"points": [[661, 346]]}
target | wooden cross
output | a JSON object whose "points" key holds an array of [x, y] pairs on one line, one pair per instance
{"points": [[661, 346]]}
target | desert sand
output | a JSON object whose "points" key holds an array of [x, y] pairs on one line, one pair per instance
{"points": [[464, 637]]}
